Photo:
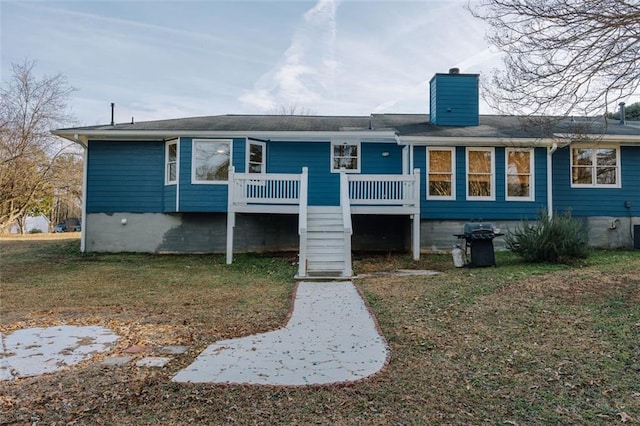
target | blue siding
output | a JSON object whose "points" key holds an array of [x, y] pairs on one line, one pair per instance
{"points": [[454, 100], [125, 177], [205, 197], [324, 186], [597, 201], [500, 209], [373, 163], [170, 198]]}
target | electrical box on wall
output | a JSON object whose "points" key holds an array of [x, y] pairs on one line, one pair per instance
{"points": [[627, 204]]}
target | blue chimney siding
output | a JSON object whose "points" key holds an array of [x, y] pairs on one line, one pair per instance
{"points": [[454, 100]]}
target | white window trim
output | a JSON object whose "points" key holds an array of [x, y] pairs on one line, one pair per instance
{"points": [[453, 174], [248, 155], [193, 162], [166, 162], [491, 197], [359, 158], [532, 174], [595, 183]]}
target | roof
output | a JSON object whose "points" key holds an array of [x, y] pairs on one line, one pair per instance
{"points": [[406, 127]]}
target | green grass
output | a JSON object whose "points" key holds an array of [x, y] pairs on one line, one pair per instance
{"points": [[515, 344]]}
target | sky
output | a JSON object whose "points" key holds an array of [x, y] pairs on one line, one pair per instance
{"points": [[169, 59]]}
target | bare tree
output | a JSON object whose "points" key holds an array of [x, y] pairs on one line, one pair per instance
{"points": [[292, 110], [29, 108], [562, 56]]}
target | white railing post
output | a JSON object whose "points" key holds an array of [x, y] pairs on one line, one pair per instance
{"points": [[302, 222], [231, 214], [346, 219], [416, 215]]}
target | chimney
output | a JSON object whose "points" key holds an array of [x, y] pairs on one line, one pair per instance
{"points": [[454, 99], [623, 114], [113, 106]]}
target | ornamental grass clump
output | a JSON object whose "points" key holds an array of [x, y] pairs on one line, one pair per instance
{"points": [[559, 239]]}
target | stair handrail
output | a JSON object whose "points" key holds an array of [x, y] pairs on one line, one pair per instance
{"points": [[302, 221], [346, 219]]}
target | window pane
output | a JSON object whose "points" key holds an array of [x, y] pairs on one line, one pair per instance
{"points": [[519, 162], [212, 160], [480, 161], [582, 157], [518, 186], [255, 153], [439, 161], [582, 175], [606, 176], [606, 157], [255, 168], [479, 185], [345, 150], [173, 152], [439, 185], [171, 172], [347, 163]]}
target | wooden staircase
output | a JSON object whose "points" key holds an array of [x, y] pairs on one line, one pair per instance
{"points": [[327, 253]]}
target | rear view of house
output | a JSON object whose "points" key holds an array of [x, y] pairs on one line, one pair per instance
{"points": [[327, 185]]}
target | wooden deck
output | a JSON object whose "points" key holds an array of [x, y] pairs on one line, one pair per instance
{"points": [[359, 194]]}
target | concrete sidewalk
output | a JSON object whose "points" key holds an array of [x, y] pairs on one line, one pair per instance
{"points": [[330, 337]]}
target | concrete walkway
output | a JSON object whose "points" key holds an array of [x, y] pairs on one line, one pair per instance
{"points": [[34, 351], [330, 337]]}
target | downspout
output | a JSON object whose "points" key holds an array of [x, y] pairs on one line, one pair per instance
{"points": [[550, 151], [85, 168]]}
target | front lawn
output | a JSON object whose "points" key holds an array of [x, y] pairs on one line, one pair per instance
{"points": [[516, 344]]}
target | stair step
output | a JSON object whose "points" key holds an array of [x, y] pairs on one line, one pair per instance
{"points": [[325, 266], [313, 250]]}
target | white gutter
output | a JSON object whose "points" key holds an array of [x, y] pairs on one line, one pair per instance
{"points": [[622, 139], [473, 141], [83, 136], [550, 151]]}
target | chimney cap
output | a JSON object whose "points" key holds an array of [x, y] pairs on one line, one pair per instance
{"points": [[454, 70]]}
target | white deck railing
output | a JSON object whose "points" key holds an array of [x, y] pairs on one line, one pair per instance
{"points": [[267, 188], [386, 190]]}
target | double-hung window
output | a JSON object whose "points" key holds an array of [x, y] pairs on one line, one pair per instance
{"points": [[256, 158], [519, 174], [441, 172], [171, 163], [595, 167], [345, 156], [211, 159], [481, 174]]}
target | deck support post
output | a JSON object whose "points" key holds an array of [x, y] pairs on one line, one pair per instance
{"points": [[231, 216], [415, 239]]}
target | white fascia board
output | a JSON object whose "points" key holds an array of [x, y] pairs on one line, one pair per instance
{"points": [[296, 136], [474, 141], [621, 139]]}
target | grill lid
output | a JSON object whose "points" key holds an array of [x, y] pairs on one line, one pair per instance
{"points": [[478, 227]]}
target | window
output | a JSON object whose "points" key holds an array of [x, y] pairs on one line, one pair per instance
{"points": [[345, 155], [595, 167], [210, 161], [256, 157], [481, 174], [171, 163], [519, 174], [441, 173]]}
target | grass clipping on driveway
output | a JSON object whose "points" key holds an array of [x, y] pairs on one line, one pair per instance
{"points": [[516, 344]]}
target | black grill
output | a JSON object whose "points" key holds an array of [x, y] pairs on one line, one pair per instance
{"points": [[478, 238]]}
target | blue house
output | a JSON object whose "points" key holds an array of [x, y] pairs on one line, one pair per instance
{"points": [[327, 185]]}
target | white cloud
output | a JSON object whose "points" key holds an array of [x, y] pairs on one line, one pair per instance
{"points": [[305, 75]]}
